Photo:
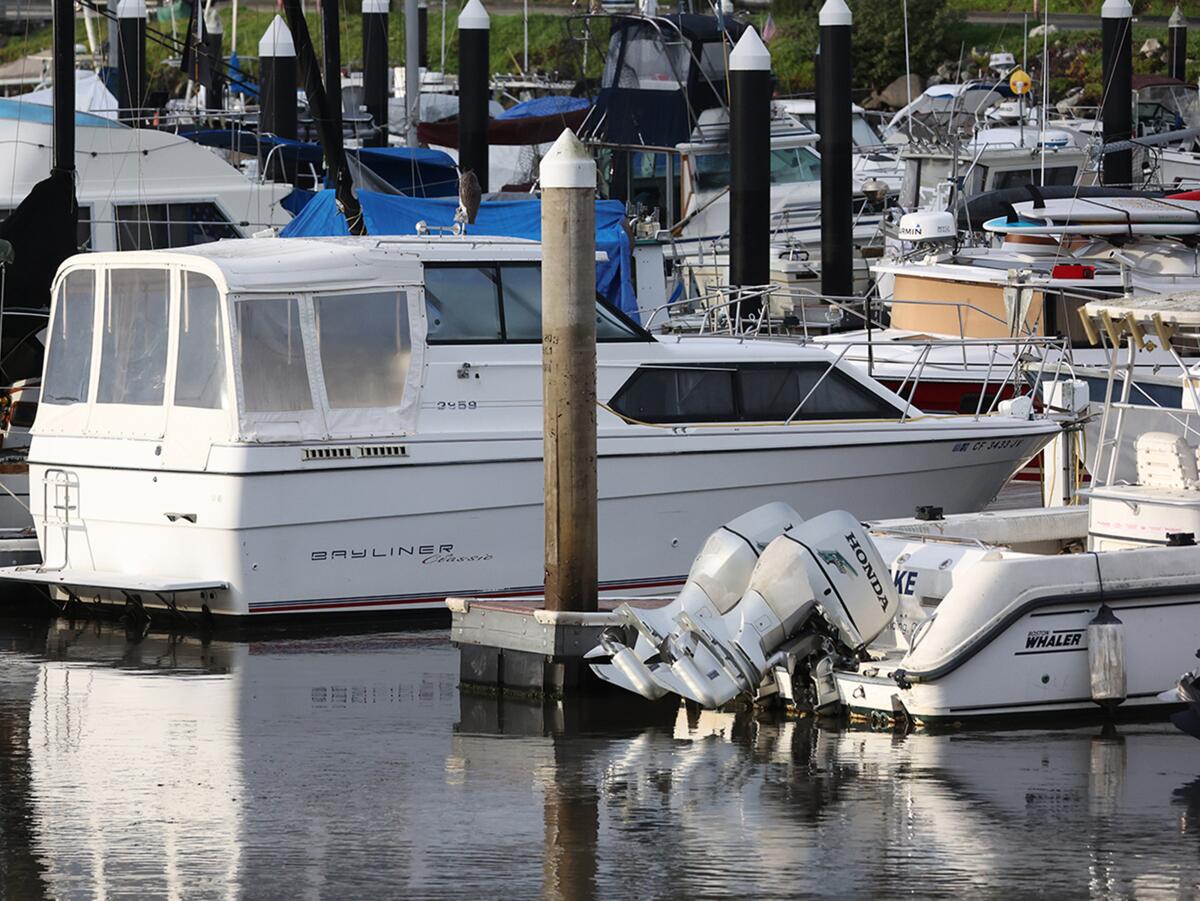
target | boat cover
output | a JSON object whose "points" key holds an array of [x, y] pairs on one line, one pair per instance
{"points": [[388, 214], [412, 170], [512, 131]]}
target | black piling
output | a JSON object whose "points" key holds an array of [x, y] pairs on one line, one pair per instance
{"points": [[474, 30], [749, 163], [375, 67], [214, 41], [331, 53], [64, 86], [1177, 45], [277, 57], [131, 59], [1116, 111], [833, 123]]}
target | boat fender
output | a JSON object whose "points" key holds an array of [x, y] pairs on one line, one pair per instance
{"points": [[1106, 658]]}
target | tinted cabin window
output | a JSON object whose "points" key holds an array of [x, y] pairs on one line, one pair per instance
{"points": [[133, 340], [364, 344], [154, 226], [200, 365], [473, 304], [746, 393], [688, 394], [1019, 178], [83, 225], [274, 373], [462, 303], [770, 393], [69, 357]]}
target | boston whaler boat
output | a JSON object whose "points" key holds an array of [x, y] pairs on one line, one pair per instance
{"points": [[282, 426], [949, 618]]}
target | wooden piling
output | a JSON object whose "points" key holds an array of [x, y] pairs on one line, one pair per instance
{"points": [[568, 180]]}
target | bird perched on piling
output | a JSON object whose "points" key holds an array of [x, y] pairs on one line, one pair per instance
{"points": [[469, 197]]}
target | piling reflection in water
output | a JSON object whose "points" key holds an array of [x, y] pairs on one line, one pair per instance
{"points": [[354, 767]]}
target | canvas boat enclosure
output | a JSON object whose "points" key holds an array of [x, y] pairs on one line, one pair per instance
{"points": [[196, 351], [660, 74]]}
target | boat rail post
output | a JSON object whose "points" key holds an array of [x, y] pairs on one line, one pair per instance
{"points": [[834, 122], [131, 60], [214, 40], [375, 69], [1177, 28], [277, 57], [1116, 110], [568, 178], [474, 32], [749, 172]]}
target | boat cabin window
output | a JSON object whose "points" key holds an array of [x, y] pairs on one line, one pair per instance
{"points": [[789, 165], [271, 350], [133, 340], [200, 364], [639, 58], [467, 304], [1019, 178], [755, 392], [364, 344], [155, 226], [69, 356]]}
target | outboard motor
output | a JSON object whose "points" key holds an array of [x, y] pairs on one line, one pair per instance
{"points": [[1187, 691], [818, 591], [715, 583]]}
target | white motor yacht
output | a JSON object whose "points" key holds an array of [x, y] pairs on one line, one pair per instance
{"points": [[138, 188], [282, 426]]}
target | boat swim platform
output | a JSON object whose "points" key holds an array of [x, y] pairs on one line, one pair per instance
{"points": [[519, 647], [86, 578]]}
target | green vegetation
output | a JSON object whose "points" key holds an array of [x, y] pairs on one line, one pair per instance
{"points": [[938, 36]]}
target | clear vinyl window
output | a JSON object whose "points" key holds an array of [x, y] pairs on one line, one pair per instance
{"points": [[69, 356], [200, 365], [133, 338], [271, 351], [365, 346]]}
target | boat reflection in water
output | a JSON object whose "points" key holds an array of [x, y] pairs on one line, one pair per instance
{"points": [[354, 767]]}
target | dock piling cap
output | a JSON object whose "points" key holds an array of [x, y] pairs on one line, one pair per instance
{"points": [[375, 7], [1177, 19], [750, 54], [131, 9], [1116, 9], [835, 12], [474, 17], [567, 164], [277, 40]]}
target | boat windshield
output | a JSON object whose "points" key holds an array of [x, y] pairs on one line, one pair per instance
{"points": [[861, 133], [789, 165], [638, 58]]}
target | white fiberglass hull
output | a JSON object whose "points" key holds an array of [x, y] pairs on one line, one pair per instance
{"points": [[404, 535], [1029, 656]]}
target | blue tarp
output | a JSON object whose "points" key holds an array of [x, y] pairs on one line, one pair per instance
{"points": [[545, 106], [389, 214]]}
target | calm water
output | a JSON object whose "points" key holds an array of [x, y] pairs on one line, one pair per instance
{"points": [[354, 768]]}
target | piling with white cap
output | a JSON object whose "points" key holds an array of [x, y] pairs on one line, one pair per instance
{"points": [[277, 84], [1177, 27], [64, 88], [375, 68], [750, 165], [568, 180], [474, 32], [837, 152], [1116, 110], [131, 59], [213, 63]]}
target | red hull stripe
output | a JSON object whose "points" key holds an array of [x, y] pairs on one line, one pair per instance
{"points": [[439, 599]]}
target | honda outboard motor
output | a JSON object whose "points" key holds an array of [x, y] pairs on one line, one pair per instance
{"points": [[817, 591], [716, 582]]}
